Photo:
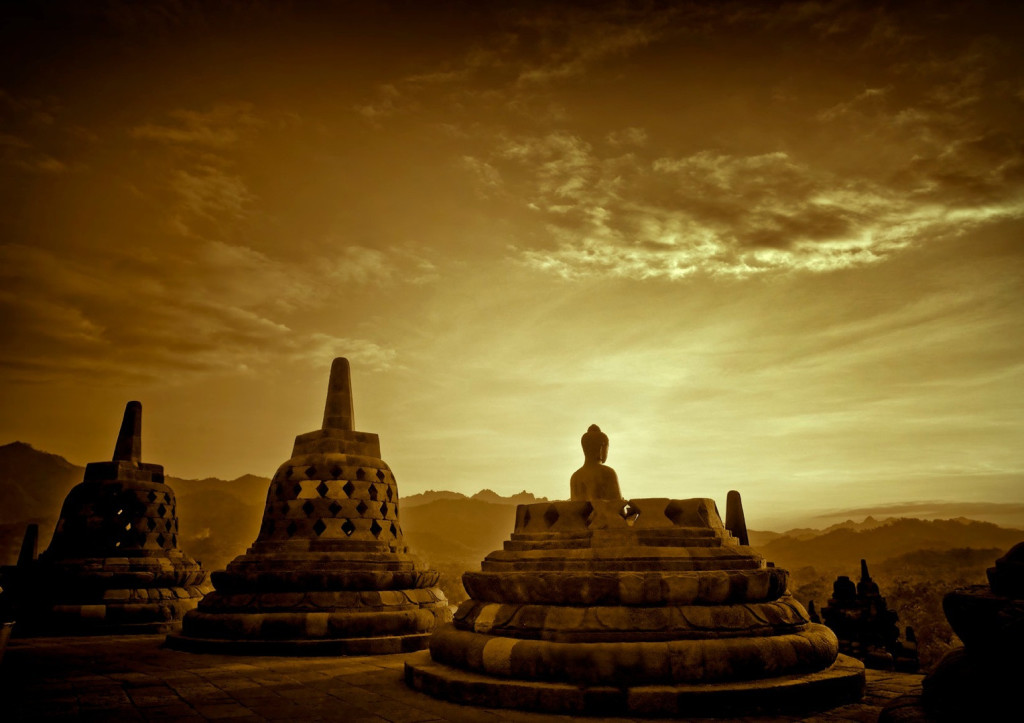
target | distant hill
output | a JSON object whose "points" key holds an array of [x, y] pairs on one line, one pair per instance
{"points": [[464, 529], [31, 480], [218, 518], [842, 547], [425, 498]]}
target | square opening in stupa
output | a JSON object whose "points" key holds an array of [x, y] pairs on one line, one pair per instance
{"points": [[329, 573], [652, 607]]}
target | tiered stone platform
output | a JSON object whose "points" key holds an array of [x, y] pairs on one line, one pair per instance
{"points": [[329, 573], [113, 565], [649, 608]]}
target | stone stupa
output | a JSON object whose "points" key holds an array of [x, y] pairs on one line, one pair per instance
{"points": [[113, 565], [329, 572], [860, 617], [645, 607]]}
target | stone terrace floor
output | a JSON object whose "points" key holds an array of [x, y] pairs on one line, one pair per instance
{"points": [[132, 678]]}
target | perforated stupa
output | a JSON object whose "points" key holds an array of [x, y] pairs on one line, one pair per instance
{"points": [[113, 565], [329, 572], [646, 607]]}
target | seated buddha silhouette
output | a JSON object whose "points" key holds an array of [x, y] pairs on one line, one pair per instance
{"points": [[594, 480]]}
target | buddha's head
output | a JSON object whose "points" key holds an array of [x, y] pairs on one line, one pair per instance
{"points": [[595, 444]]}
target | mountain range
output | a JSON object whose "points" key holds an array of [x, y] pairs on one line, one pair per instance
{"points": [[219, 519]]}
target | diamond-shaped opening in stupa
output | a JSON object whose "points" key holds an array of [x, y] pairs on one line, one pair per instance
{"points": [[349, 488], [318, 527], [347, 527], [551, 515], [373, 492], [375, 528], [361, 508]]}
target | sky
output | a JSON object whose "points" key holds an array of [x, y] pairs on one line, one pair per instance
{"points": [[775, 247]]}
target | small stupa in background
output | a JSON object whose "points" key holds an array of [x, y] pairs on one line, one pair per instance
{"points": [[645, 607], [329, 572], [113, 565], [866, 627]]}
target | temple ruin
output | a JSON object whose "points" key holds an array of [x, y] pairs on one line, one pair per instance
{"points": [[866, 627], [644, 607], [113, 565], [329, 572]]}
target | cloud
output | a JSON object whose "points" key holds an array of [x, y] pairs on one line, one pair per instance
{"points": [[636, 215], [211, 192], [935, 509], [528, 52], [713, 212], [222, 126], [566, 41], [207, 310], [627, 137]]}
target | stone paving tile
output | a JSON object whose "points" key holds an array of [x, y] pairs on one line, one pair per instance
{"points": [[127, 678]]}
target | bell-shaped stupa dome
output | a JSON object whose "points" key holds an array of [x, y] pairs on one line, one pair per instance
{"points": [[329, 572], [113, 565]]}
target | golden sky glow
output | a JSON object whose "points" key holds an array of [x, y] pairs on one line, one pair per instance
{"points": [[775, 247]]}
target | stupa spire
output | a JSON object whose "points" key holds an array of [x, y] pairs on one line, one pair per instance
{"points": [[338, 411], [129, 439]]}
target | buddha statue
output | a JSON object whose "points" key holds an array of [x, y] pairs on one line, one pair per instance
{"points": [[594, 480]]}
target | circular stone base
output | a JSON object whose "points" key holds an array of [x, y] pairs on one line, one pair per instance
{"points": [[384, 645], [841, 683], [106, 619]]}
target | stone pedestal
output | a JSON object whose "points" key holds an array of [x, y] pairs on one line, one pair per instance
{"points": [[648, 607], [113, 565], [329, 573], [980, 680]]}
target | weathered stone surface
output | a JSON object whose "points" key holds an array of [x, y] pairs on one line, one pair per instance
{"points": [[329, 572], [607, 623], [735, 521], [642, 607], [650, 587], [113, 565], [841, 682], [133, 678]]}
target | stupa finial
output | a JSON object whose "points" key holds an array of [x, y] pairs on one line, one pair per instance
{"points": [[129, 439], [338, 412]]}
